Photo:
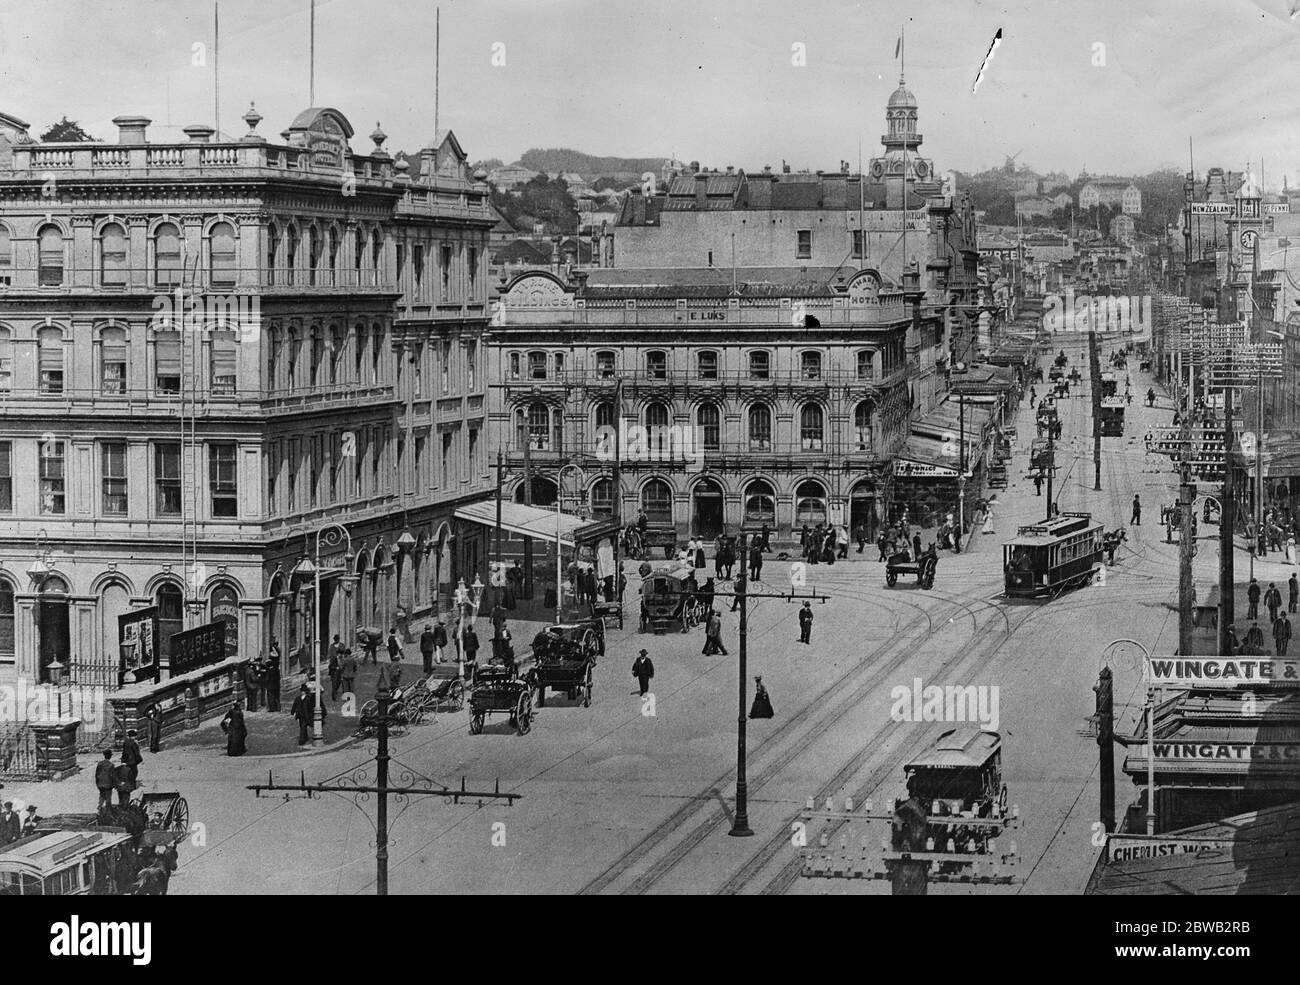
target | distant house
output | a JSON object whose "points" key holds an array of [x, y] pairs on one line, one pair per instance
{"points": [[1062, 201], [508, 177], [1027, 208], [1111, 192]]}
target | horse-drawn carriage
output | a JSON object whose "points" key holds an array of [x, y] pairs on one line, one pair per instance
{"points": [[497, 691], [923, 567], [670, 598], [410, 703], [565, 657]]}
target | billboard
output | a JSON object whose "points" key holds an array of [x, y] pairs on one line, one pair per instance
{"points": [[197, 647], [137, 635]]}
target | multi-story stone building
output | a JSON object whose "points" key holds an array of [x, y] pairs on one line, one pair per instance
{"points": [[781, 396], [1111, 192], [210, 352]]}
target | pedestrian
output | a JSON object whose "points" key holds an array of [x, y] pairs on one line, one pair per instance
{"points": [[805, 623], [1137, 511], [1290, 551], [1293, 593], [707, 593], [272, 682], [699, 553], [842, 540], [1038, 482], [390, 675], [1252, 596], [439, 641], [762, 706], [274, 650], [755, 563], [252, 683], [860, 536], [303, 711], [803, 542], [882, 542], [10, 822], [31, 822], [236, 731], [764, 535], [1254, 641], [1234, 644], [426, 648], [124, 784], [131, 757], [335, 671], [916, 545], [1282, 634], [719, 545], [470, 643], [1272, 599], [643, 670], [622, 585], [370, 641], [394, 648], [153, 727], [713, 635], [347, 671], [105, 780], [988, 519]]}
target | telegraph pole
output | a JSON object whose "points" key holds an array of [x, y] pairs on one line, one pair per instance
{"points": [[1104, 690], [1094, 371], [617, 492]]}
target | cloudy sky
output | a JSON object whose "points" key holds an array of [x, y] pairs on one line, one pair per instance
{"points": [[1109, 85]]}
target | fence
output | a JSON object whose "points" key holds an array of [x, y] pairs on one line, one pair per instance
{"points": [[19, 756]]}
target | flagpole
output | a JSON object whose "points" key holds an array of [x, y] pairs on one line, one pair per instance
{"points": [[311, 58]]}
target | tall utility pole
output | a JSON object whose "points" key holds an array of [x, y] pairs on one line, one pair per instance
{"points": [[1094, 371], [1186, 548], [1104, 689], [1051, 467], [740, 824], [617, 492], [500, 481], [352, 785], [1227, 520]]}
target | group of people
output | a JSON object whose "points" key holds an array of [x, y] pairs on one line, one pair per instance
{"points": [[1278, 531], [13, 827], [1253, 644], [824, 543], [124, 776]]}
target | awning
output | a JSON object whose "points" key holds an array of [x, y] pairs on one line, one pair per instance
{"points": [[526, 521]]}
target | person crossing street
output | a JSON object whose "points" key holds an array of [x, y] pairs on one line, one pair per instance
{"points": [[643, 670], [1293, 592], [1252, 597], [1137, 511], [1282, 634], [805, 623], [1272, 599]]}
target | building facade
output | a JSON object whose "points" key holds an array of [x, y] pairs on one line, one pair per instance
{"points": [[212, 353], [1111, 192]]}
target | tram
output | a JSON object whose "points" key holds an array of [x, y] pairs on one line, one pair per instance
{"points": [[1109, 385], [1112, 417], [1053, 555]]}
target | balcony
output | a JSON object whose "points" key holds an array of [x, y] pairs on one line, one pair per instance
{"points": [[643, 384], [58, 281], [890, 311]]}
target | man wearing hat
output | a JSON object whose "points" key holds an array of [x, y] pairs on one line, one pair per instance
{"points": [[643, 670], [426, 648], [105, 779], [131, 757], [10, 823], [805, 623], [439, 641], [304, 710], [31, 821]]}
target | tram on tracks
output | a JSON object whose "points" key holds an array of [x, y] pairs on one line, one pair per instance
{"points": [[1112, 417], [1051, 556]]}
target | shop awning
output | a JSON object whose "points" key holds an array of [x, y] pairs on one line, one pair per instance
{"points": [[525, 521]]}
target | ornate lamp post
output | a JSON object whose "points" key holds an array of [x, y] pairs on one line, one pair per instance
{"points": [[333, 534], [38, 572], [466, 597], [559, 567]]}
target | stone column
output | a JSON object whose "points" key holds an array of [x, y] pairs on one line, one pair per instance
{"points": [[56, 748]]}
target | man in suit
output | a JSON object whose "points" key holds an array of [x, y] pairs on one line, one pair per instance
{"points": [[131, 757], [394, 648], [304, 711], [348, 671], [755, 563], [805, 623], [426, 648], [105, 779], [153, 727], [1282, 634], [643, 670], [11, 822]]}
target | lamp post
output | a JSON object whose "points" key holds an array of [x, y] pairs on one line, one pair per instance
{"points": [[559, 567], [471, 596], [334, 534], [38, 572], [1151, 734]]}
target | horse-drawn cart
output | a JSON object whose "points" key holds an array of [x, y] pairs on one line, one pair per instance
{"points": [[565, 656], [498, 692], [903, 564], [166, 811]]}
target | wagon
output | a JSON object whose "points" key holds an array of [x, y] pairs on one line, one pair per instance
{"points": [[498, 692], [668, 599], [923, 567], [960, 777], [565, 656], [166, 811]]}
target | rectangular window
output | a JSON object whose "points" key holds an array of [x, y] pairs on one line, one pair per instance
{"points": [[559, 365], [401, 266], [292, 483], [6, 361], [514, 365], [52, 478], [313, 470], [804, 252], [167, 478], [112, 366], [866, 365], [537, 365], [51, 364], [857, 242], [222, 480], [473, 452], [810, 365], [760, 365], [6, 477], [446, 459], [420, 443], [6, 257], [113, 478], [605, 365], [471, 364], [471, 265], [167, 362], [417, 268], [223, 363], [656, 365], [446, 367], [446, 272], [272, 476], [708, 365]]}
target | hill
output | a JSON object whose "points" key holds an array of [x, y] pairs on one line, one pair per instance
{"points": [[562, 159]]}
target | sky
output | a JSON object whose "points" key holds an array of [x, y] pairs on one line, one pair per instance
{"points": [[1112, 86]]}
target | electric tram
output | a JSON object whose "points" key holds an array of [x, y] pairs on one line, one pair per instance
{"points": [[1053, 555], [1112, 417]]}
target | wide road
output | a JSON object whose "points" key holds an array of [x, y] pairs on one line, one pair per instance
{"points": [[616, 800]]}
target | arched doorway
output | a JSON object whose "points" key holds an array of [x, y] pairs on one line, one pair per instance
{"points": [[52, 626], [862, 508], [706, 509], [760, 504], [114, 601], [543, 490], [278, 616], [809, 503]]}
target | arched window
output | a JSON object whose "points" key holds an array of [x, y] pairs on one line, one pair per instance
{"points": [[708, 365], [605, 364], [49, 344], [167, 265], [337, 342], [274, 337], [314, 248], [6, 360], [49, 245], [171, 612], [295, 343], [760, 503], [6, 256], [376, 252], [760, 427], [333, 255], [811, 427], [539, 426], [709, 421], [225, 360], [112, 361], [363, 341], [272, 251], [809, 503], [656, 365], [862, 426], [602, 498], [656, 415], [291, 255], [359, 252], [604, 415], [317, 355], [657, 501], [760, 365], [221, 255], [7, 653], [112, 255]]}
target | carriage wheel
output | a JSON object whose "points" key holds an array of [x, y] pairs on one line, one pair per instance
{"points": [[476, 723], [588, 644], [523, 714], [891, 579], [456, 695], [586, 691], [180, 815]]}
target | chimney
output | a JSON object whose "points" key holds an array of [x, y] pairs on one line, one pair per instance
{"points": [[695, 167], [767, 169], [130, 129], [730, 169], [701, 181], [785, 168], [199, 133]]}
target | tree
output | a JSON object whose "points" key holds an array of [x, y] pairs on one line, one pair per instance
{"points": [[66, 130]]}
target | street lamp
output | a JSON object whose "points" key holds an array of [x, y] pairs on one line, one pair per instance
{"points": [[334, 534], [559, 580], [471, 596], [40, 569], [1151, 732]]}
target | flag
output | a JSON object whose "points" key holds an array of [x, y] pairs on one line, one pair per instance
{"points": [[898, 48]]}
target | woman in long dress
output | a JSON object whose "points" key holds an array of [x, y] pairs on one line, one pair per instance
{"points": [[236, 731], [988, 518], [1290, 550], [699, 553]]}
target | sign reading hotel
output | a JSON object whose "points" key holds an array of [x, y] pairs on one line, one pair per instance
{"points": [[1132, 848], [1190, 672], [326, 142], [908, 469]]}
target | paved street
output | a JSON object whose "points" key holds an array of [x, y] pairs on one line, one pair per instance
{"points": [[617, 801]]}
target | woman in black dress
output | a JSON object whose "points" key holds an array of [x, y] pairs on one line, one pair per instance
{"points": [[236, 732]]}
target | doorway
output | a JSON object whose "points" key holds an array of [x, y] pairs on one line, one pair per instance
{"points": [[862, 509], [52, 626], [706, 514]]}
